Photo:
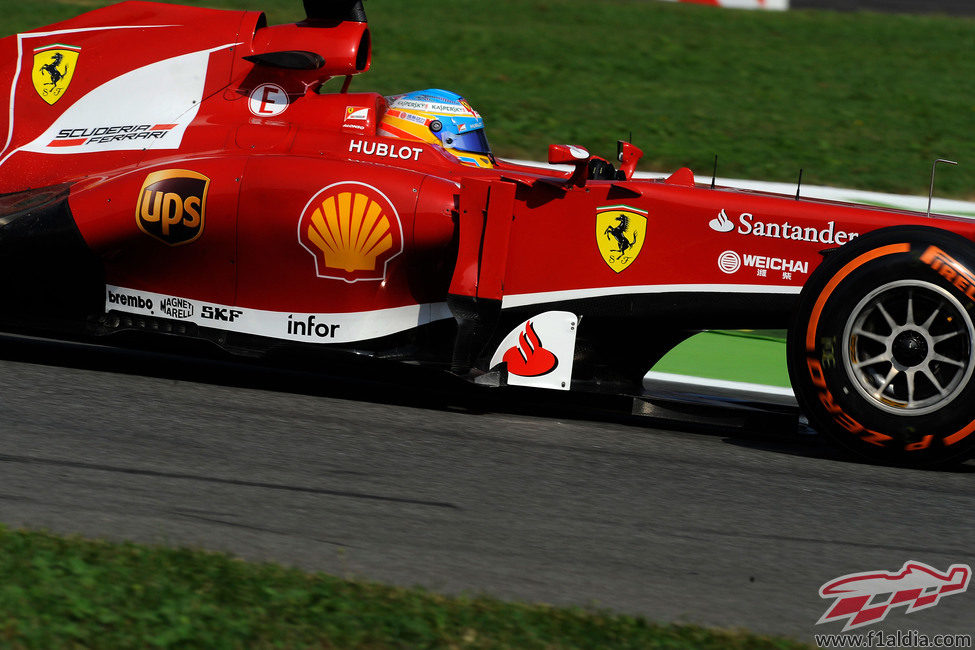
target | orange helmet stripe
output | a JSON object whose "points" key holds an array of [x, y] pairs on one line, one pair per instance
{"points": [[397, 132]]}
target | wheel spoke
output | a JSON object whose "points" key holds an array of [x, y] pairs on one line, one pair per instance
{"points": [[943, 359], [871, 335], [930, 321], [910, 309], [934, 380], [887, 317], [890, 377], [910, 385], [944, 337], [872, 360]]}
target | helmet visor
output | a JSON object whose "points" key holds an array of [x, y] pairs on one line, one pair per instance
{"points": [[472, 141]]}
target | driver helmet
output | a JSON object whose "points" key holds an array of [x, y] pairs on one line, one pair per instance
{"points": [[439, 117]]}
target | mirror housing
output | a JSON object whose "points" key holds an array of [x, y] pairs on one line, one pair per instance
{"points": [[570, 154], [629, 155]]}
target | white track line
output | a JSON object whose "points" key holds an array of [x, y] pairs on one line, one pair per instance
{"points": [[667, 382]]}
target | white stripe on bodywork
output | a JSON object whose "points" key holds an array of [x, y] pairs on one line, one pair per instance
{"points": [[522, 299], [20, 56], [165, 92], [130, 98], [349, 326]]}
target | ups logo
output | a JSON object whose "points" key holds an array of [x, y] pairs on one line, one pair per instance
{"points": [[172, 206]]}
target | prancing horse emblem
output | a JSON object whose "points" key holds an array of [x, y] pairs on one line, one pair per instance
{"points": [[54, 66], [620, 233]]}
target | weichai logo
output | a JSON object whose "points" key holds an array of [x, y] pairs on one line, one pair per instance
{"points": [[172, 206], [352, 230]]}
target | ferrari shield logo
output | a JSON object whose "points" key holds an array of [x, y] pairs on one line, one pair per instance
{"points": [[620, 231], [54, 66]]}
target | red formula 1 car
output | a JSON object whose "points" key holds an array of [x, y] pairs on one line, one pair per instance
{"points": [[200, 185]]}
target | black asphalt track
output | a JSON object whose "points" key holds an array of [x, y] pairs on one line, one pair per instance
{"points": [[529, 496]]}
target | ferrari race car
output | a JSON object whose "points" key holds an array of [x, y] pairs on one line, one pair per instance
{"points": [[202, 186]]}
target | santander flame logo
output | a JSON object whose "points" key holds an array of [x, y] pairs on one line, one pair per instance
{"points": [[529, 358], [539, 352], [916, 586], [721, 223]]}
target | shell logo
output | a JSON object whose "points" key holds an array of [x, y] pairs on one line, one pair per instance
{"points": [[352, 230]]}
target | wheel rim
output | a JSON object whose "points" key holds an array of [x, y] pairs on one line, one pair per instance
{"points": [[908, 347]]}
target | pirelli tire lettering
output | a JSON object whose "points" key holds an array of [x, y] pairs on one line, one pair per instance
{"points": [[882, 349]]}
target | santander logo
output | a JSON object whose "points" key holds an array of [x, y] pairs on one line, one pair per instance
{"points": [[529, 358], [539, 352], [721, 223], [747, 224]]}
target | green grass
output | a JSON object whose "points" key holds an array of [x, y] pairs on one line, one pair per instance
{"points": [[857, 100], [58, 592], [754, 357]]}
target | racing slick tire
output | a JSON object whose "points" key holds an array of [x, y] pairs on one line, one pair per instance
{"points": [[881, 351]]}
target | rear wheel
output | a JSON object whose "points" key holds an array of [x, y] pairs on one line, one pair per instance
{"points": [[882, 349]]}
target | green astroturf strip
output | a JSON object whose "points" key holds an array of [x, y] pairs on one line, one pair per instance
{"points": [[730, 356]]}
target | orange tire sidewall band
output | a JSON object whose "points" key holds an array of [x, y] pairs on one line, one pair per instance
{"points": [[839, 277]]}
